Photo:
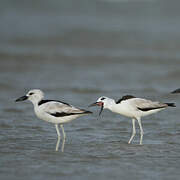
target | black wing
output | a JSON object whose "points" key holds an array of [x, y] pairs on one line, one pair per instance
{"points": [[45, 101], [125, 98]]}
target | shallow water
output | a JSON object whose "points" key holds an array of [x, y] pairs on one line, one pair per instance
{"points": [[76, 52]]}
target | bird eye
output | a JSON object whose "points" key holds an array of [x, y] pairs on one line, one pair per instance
{"points": [[102, 98], [31, 93]]}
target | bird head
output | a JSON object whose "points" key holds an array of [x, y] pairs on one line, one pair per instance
{"points": [[102, 102], [34, 96]]}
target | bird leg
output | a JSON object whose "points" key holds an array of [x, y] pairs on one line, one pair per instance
{"points": [[141, 130], [133, 132], [64, 134], [57, 144], [64, 139], [59, 137], [57, 130]]}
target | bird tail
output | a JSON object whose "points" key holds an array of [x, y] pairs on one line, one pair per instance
{"points": [[171, 104]]}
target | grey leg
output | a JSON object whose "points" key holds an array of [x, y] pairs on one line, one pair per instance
{"points": [[57, 130], [64, 138], [59, 137], [57, 144], [133, 132], [141, 130], [64, 134]]}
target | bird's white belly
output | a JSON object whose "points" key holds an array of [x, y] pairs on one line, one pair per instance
{"points": [[125, 111]]}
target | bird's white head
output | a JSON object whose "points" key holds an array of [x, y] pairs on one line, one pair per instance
{"points": [[104, 103], [34, 96]]}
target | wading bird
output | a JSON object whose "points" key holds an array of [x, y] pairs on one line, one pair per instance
{"points": [[132, 107], [53, 111]]}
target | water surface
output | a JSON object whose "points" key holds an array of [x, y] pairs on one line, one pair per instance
{"points": [[76, 52]]}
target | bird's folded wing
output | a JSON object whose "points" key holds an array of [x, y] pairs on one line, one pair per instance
{"points": [[59, 109], [146, 105]]}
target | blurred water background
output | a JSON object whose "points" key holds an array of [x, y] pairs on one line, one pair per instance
{"points": [[76, 51]]}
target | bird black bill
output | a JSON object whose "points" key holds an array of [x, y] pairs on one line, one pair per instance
{"points": [[23, 98]]}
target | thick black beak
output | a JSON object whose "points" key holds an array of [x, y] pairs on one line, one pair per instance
{"points": [[23, 98]]}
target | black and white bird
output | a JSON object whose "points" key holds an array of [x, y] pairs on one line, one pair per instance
{"points": [[53, 111], [132, 107]]}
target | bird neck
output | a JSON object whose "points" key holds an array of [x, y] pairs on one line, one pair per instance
{"points": [[36, 102], [110, 104]]}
